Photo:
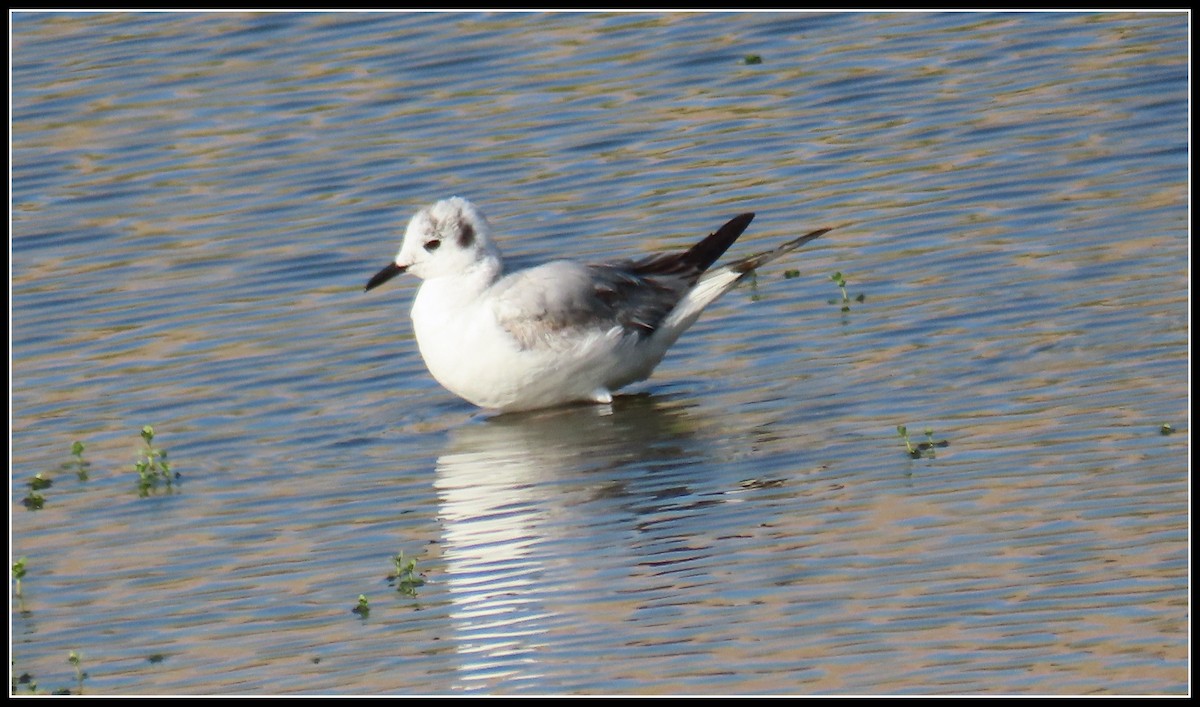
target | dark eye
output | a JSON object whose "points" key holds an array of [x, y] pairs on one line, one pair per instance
{"points": [[432, 245]]}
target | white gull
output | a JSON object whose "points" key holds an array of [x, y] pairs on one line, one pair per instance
{"points": [[560, 332]]}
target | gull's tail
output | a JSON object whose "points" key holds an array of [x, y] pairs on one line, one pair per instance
{"points": [[717, 282]]}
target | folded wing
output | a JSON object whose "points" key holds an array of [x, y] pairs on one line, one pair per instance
{"points": [[537, 304]]}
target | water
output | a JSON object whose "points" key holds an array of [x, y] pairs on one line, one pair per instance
{"points": [[199, 198]]}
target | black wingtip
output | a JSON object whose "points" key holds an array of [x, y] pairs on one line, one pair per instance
{"points": [[745, 265], [706, 252]]}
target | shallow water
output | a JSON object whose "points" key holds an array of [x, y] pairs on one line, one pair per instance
{"points": [[199, 198]]}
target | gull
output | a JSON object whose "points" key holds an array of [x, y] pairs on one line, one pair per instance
{"points": [[562, 332]]}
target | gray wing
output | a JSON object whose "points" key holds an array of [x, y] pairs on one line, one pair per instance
{"points": [[537, 306]]}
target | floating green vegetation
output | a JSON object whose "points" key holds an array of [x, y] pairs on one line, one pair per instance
{"points": [[1166, 429], [753, 285], [363, 608], [921, 449], [18, 572], [30, 684], [406, 576], [912, 451], [74, 659], [79, 464], [35, 501], [840, 281], [152, 465], [751, 59], [23, 679]]}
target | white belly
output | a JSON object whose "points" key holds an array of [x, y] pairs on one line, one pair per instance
{"points": [[472, 356]]}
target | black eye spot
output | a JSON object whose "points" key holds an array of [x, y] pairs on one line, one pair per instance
{"points": [[432, 245], [466, 235]]}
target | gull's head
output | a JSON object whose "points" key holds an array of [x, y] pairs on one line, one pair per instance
{"points": [[449, 238]]}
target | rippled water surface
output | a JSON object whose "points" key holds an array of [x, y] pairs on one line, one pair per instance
{"points": [[198, 199]]}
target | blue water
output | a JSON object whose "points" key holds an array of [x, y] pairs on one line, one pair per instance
{"points": [[198, 199]]}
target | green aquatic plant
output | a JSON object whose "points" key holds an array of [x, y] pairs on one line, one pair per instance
{"points": [[152, 465], [931, 445], [1166, 429], [751, 59], [840, 281], [23, 679], [18, 572], [406, 576], [912, 451], [35, 501], [74, 659], [363, 608], [927, 448], [79, 464], [752, 284]]}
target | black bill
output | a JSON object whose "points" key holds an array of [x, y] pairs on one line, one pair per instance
{"points": [[392, 270]]}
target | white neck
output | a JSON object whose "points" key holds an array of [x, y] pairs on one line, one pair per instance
{"points": [[440, 297]]}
